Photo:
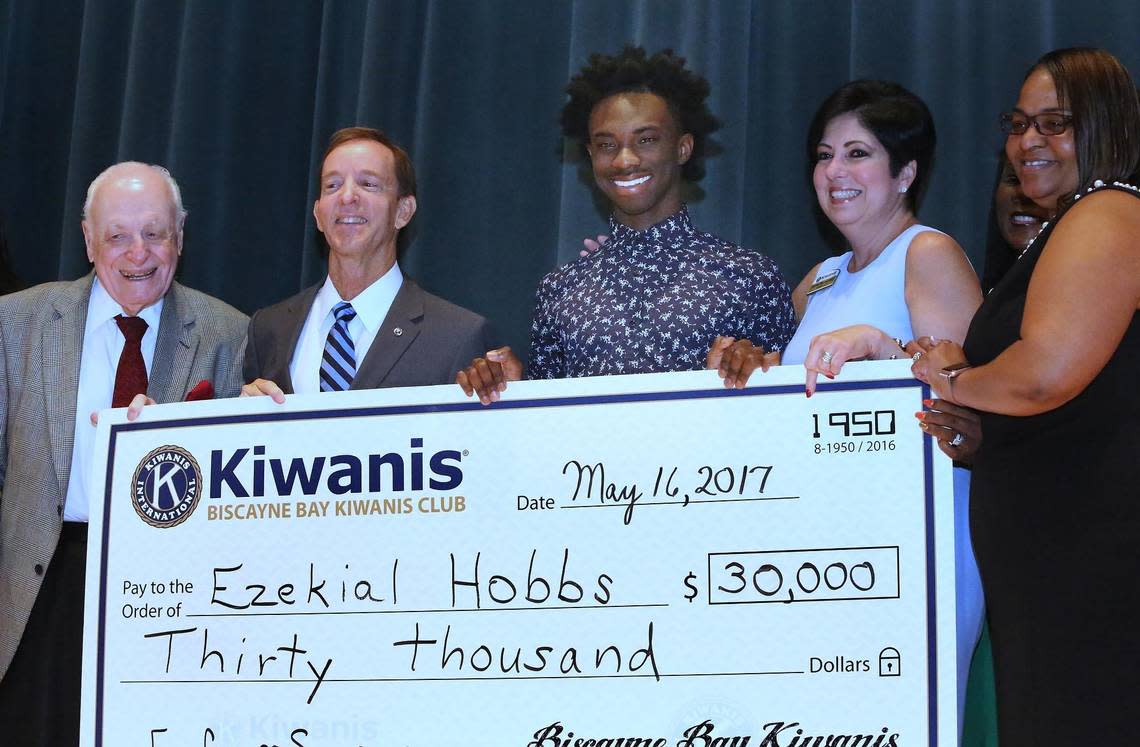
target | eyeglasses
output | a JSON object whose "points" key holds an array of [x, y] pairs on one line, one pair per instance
{"points": [[1016, 123]]}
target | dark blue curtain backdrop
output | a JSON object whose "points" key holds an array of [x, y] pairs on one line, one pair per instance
{"points": [[238, 98]]}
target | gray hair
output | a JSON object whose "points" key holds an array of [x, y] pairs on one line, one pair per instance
{"points": [[97, 181]]}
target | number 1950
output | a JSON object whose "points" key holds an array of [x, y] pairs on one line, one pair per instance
{"points": [[859, 422]]}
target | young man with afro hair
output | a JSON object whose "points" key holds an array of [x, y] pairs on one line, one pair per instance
{"points": [[658, 293]]}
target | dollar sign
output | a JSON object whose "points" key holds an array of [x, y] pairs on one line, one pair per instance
{"points": [[691, 588]]}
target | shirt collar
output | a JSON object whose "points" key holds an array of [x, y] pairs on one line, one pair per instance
{"points": [[676, 225], [101, 308], [371, 304]]}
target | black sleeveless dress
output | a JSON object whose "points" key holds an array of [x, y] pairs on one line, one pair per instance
{"points": [[1055, 519]]}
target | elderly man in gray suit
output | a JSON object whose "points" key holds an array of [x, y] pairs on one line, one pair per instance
{"points": [[124, 333], [365, 326]]}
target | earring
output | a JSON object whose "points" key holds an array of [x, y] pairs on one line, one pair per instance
{"points": [[902, 189]]}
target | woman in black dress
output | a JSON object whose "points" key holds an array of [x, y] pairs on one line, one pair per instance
{"points": [[1051, 360]]}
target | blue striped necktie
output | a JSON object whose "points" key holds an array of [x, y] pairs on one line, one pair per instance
{"points": [[338, 364]]}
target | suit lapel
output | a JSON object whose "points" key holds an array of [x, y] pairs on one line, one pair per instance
{"points": [[61, 353], [174, 350], [280, 356], [405, 315]]}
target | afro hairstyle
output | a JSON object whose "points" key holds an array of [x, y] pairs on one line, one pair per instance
{"points": [[633, 71]]}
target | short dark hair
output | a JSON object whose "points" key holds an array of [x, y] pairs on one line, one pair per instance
{"points": [[633, 71], [896, 117], [1097, 89], [405, 171]]}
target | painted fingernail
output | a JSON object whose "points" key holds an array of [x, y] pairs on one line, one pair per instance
{"points": [[807, 392], [921, 416], [928, 402]]}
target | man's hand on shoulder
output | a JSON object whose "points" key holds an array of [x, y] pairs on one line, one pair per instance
{"points": [[593, 245], [486, 377]]}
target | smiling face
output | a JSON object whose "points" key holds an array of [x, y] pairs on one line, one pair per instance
{"points": [[637, 153], [359, 209], [133, 233], [1019, 218], [1046, 165], [852, 178]]}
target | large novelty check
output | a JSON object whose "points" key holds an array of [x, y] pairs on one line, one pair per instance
{"points": [[641, 560]]}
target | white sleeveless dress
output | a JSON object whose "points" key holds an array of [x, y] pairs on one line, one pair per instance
{"points": [[876, 296]]}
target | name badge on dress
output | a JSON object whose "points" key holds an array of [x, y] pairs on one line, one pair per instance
{"points": [[823, 282]]}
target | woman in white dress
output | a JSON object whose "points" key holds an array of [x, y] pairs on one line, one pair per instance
{"points": [[870, 145]]}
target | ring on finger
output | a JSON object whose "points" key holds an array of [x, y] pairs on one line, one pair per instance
{"points": [[914, 358], [826, 357], [958, 440]]}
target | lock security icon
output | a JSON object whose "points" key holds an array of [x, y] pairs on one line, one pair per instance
{"points": [[890, 662]]}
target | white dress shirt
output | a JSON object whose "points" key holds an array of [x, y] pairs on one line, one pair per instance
{"points": [[102, 345], [371, 305]]}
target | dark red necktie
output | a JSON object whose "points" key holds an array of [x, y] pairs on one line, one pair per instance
{"points": [[130, 376]]}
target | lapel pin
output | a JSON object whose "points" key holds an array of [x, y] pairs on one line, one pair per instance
{"points": [[397, 331]]}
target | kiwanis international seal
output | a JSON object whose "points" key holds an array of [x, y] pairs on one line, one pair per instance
{"points": [[166, 486]]}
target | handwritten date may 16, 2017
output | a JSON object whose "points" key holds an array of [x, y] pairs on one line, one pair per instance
{"points": [[592, 485]]}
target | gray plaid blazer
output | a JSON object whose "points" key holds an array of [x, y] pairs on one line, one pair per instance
{"points": [[41, 338]]}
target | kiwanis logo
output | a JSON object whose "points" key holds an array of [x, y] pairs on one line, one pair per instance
{"points": [[166, 486]]}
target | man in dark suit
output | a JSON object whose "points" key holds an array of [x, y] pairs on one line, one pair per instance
{"points": [[365, 326], [66, 352]]}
